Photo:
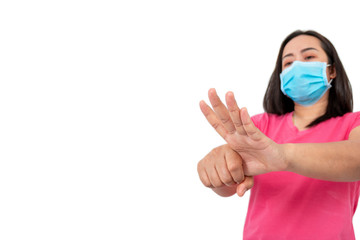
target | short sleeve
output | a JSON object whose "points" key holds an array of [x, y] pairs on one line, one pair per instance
{"points": [[354, 121]]}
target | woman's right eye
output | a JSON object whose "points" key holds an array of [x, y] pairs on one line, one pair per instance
{"points": [[287, 64]]}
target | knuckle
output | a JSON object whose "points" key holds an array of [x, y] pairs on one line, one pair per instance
{"points": [[221, 149], [216, 104], [215, 153], [228, 180], [234, 167], [225, 120], [216, 150], [215, 125], [239, 179], [206, 183], [226, 177], [207, 159], [237, 123]]}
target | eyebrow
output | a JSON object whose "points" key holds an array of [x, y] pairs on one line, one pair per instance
{"points": [[302, 51]]}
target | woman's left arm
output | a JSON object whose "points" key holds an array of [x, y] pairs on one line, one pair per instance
{"points": [[334, 161]]}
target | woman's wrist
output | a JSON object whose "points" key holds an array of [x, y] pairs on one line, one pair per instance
{"points": [[287, 152]]}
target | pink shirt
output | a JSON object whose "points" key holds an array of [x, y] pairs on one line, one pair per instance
{"points": [[285, 205]]}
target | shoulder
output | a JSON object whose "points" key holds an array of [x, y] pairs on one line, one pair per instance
{"points": [[348, 122], [351, 115], [347, 118], [351, 119]]}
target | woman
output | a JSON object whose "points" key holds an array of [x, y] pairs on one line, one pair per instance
{"points": [[304, 151]]}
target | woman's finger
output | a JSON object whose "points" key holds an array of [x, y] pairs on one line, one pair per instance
{"points": [[212, 119], [234, 165], [203, 175], [251, 130], [223, 172], [234, 111], [214, 177], [221, 111], [247, 184]]}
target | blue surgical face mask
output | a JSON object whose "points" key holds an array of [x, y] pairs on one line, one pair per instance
{"points": [[305, 82]]}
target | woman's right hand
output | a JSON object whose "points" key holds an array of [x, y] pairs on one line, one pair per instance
{"points": [[222, 171]]}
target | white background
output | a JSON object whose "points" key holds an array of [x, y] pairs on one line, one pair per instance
{"points": [[100, 129]]}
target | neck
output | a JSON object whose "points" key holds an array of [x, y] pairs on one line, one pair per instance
{"points": [[303, 116]]}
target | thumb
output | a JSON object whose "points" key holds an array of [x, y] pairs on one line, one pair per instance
{"points": [[245, 185]]}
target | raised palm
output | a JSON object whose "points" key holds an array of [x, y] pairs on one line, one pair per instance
{"points": [[259, 153]]}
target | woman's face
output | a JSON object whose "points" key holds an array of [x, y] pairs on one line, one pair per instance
{"points": [[305, 48]]}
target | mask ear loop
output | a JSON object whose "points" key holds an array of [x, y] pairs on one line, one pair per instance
{"points": [[329, 65]]}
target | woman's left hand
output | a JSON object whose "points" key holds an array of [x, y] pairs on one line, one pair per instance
{"points": [[260, 154]]}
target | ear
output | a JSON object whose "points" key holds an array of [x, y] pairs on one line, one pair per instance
{"points": [[332, 72]]}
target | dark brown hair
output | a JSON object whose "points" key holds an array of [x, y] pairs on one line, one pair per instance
{"points": [[340, 94]]}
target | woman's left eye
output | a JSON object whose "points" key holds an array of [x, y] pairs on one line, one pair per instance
{"points": [[309, 57]]}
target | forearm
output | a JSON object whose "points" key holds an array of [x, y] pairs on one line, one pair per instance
{"points": [[334, 161]]}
